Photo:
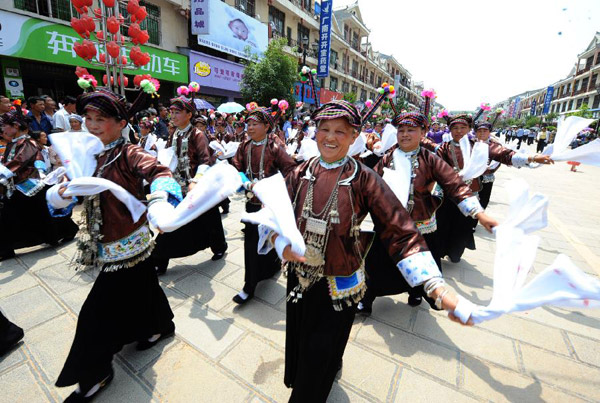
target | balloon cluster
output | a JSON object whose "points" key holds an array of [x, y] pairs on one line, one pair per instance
{"points": [[368, 103], [82, 5], [305, 73], [150, 86], [442, 114], [499, 111], [86, 49], [485, 107], [251, 106], [85, 79], [387, 89], [186, 90], [137, 80], [429, 93], [137, 35], [138, 57]]}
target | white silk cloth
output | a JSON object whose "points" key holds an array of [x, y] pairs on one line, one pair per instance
{"points": [[475, 160], [277, 213], [167, 157], [560, 284], [231, 149], [398, 179], [308, 149], [215, 185], [586, 154], [388, 139], [77, 152], [358, 147], [566, 132]]}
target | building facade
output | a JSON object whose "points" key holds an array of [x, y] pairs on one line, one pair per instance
{"points": [[37, 55], [581, 86]]}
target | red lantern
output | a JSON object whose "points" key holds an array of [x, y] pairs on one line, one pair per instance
{"points": [[137, 80], [90, 49], [112, 24], [105, 80], [102, 57], [109, 3], [133, 31], [100, 35], [97, 13], [81, 71], [143, 37], [140, 14], [87, 3], [125, 80], [123, 59], [133, 6], [113, 49], [77, 3], [79, 50], [88, 23]]}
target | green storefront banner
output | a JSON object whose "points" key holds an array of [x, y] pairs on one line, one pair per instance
{"points": [[31, 38]]}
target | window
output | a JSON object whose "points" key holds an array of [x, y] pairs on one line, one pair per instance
{"points": [[564, 107], [333, 58], [303, 34], [355, 42], [345, 87], [584, 84], [363, 95], [355, 89], [354, 68], [306, 4], [245, 6], [277, 21], [594, 83], [596, 103], [289, 36], [151, 23], [379, 81], [60, 9], [346, 33], [333, 82], [579, 102], [570, 105], [372, 78]]}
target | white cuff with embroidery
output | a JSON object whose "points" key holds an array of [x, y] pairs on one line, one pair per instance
{"points": [[519, 160], [280, 244], [418, 268], [470, 206]]}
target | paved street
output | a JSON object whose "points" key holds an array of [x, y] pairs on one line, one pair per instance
{"points": [[222, 353]]}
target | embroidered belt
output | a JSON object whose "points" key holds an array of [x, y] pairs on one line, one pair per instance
{"points": [[125, 249], [345, 290], [427, 226], [30, 187]]}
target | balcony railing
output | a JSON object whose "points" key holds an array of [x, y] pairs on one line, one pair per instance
{"points": [[585, 70]]}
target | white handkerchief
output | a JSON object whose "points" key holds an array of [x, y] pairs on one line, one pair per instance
{"points": [[77, 152], [272, 192], [358, 147], [567, 131], [87, 186], [475, 160], [167, 157], [308, 149], [586, 154], [398, 179]]}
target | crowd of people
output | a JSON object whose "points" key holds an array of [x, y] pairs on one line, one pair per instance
{"points": [[336, 162]]}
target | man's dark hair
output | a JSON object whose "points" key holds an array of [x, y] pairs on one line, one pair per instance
{"points": [[69, 100], [34, 100]]}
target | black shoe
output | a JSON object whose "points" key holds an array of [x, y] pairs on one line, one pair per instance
{"points": [[454, 259], [414, 300], [10, 338], [225, 211], [146, 344], [8, 255], [241, 301], [160, 265], [219, 255], [79, 397]]}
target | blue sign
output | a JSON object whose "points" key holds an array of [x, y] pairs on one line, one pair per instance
{"points": [[532, 110], [548, 100], [308, 95], [324, 39]]}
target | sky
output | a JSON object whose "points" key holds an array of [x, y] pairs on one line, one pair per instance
{"points": [[471, 52]]}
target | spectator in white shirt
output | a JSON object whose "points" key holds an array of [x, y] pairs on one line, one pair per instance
{"points": [[61, 118]]}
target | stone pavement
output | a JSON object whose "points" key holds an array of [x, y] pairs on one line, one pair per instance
{"points": [[222, 353]]}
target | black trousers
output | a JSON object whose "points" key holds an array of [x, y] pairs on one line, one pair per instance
{"points": [[485, 193], [315, 339], [256, 267], [541, 144], [384, 278], [455, 231]]}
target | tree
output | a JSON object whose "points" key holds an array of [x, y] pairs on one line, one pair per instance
{"points": [[272, 77], [582, 112], [401, 104], [551, 117], [532, 121], [350, 97]]}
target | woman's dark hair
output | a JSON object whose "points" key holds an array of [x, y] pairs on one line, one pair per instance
{"points": [[36, 134]]}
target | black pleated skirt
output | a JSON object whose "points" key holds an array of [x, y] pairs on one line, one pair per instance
{"points": [[315, 339], [123, 306], [455, 231]]}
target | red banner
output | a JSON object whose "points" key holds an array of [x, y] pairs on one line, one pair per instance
{"points": [[328, 95]]}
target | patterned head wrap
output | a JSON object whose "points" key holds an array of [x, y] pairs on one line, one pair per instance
{"points": [[201, 119], [466, 119], [147, 123], [15, 117], [338, 109], [103, 101], [414, 119], [184, 104], [484, 124], [262, 115]]}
